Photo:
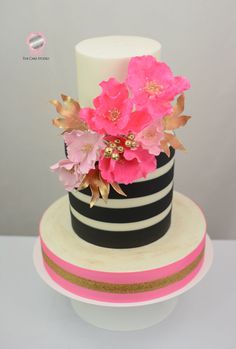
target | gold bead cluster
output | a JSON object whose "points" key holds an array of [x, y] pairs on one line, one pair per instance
{"points": [[114, 149]]}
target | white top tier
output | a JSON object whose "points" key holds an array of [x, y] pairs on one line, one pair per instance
{"points": [[98, 59]]}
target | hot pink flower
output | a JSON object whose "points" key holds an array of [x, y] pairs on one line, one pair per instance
{"points": [[112, 109], [69, 174], [83, 148], [138, 120], [153, 85], [132, 164], [150, 137]]}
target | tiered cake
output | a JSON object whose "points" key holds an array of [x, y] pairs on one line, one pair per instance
{"points": [[142, 242], [143, 216]]}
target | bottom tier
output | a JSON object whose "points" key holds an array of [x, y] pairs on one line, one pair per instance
{"points": [[125, 275]]}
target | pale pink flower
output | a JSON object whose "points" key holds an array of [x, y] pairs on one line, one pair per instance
{"points": [[153, 85], [150, 137], [112, 109], [69, 174], [133, 164], [83, 148]]}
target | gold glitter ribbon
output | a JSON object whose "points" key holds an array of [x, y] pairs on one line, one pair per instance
{"points": [[123, 288]]}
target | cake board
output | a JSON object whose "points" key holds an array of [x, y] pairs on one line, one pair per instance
{"points": [[118, 315]]}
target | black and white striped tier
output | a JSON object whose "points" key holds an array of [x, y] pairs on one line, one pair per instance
{"points": [[142, 217]]}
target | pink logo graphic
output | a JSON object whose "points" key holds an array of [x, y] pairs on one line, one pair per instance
{"points": [[36, 42]]}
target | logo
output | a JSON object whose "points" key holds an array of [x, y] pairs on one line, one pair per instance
{"points": [[36, 42]]}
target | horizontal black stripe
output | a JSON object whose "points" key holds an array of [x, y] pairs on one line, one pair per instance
{"points": [[121, 215], [140, 189], [163, 159], [124, 239]]}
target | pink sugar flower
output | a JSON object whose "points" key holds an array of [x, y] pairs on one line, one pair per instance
{"points": [[112, 109], [134, 164], [83, 148], [150, 137], [69, 174], [138, 120], [153, 85]]}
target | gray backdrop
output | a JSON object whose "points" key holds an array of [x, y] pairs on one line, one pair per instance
{"points": [[198, 39]]}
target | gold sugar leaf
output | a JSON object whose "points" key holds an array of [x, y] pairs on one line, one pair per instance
{"points": [[95, 194], [173, 141], [104, 187], [98, 186], [175, 120], [118, 189], [70, 119], [165, 147], [172, 122], [179, 106], [170, 139]]}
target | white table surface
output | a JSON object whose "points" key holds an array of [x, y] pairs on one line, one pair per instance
{"points": [[34, 316]]}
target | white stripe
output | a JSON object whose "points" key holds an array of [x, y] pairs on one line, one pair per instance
{"points": [[126, 203], [121, 226], [159, 171]]}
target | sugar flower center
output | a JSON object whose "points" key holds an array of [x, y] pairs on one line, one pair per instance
{"points": [[87, 148], [152, 87], [115, 148], [113, 114], [150, 133]]}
